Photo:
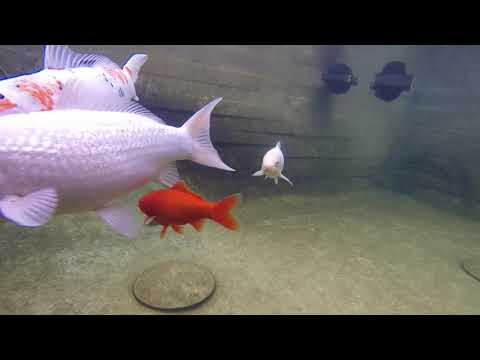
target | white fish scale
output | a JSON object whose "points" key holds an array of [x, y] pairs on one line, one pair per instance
{"points": [[89, 160]]}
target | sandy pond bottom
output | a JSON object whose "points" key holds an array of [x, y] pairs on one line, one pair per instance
{"points": [[361, 250]]}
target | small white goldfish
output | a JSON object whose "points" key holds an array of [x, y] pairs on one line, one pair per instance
{"points": [[272, 165], [75, 160], [100, 78]]}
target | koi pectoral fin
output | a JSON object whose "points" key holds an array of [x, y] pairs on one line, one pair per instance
{"points": [[122, 219], [169, 175], [34, 209]]}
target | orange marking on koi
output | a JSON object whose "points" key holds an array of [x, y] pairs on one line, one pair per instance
{"points": [[119, 75], [42, 94]]}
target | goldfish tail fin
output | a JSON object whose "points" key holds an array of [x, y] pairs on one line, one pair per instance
{"points": [[134, 64], [198, 129], [221, 212]]}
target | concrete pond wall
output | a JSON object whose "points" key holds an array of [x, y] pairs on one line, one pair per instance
{"points": [[436, 151], [275, 92], [270, 93]]}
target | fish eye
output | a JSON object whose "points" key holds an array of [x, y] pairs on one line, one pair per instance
{"points": [[277, 164], [2, 97]]}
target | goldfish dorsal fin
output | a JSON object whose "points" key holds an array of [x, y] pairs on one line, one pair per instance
{"points": [[62, 57], [181, 186], [278, 145], [72, 98]]}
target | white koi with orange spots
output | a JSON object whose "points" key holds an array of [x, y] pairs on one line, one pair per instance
{"points": [[100, 78]]}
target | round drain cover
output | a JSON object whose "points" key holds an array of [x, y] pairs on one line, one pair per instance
{"points": [[174, 285], [472, 268]]}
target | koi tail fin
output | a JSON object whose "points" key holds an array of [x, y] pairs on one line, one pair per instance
{"points": [[198, 129]]}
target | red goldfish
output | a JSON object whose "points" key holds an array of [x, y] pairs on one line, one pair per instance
{"points": [[178, 206]]}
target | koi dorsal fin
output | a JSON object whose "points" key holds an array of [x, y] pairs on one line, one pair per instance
{"points": [[134, 64], [62, 57], [181, 186]]}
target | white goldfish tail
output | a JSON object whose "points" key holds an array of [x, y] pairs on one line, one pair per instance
{"points": [[286, 179], [134, 64], [198, 129]]}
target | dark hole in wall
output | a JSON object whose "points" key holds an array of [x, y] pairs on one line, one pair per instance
{"points": [[324, 57]]}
